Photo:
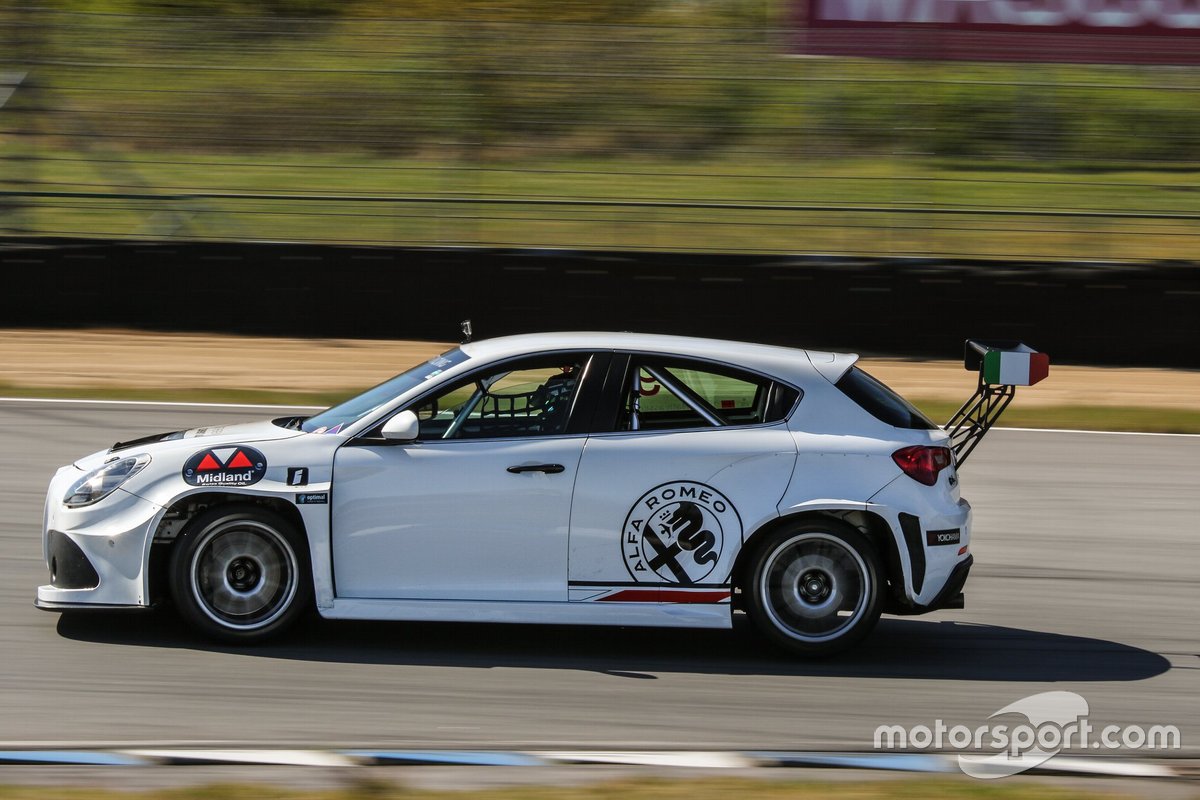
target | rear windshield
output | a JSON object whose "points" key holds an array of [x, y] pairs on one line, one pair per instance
{"points": [[881, 402]]}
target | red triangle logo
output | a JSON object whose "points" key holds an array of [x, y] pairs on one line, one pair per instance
{"points": [[208, 463], [239, 461]]}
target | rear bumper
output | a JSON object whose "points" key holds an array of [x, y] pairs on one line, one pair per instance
{"points": [[952, 592], [951, 595], [932, 544]]}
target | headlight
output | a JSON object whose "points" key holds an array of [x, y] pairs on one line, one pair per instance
{"points": [[103, 481]]}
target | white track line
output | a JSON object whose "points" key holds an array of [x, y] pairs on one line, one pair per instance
{"points": [[174, 404], [1105, 433], [707, 760], [163, 403], [1126, 768]]}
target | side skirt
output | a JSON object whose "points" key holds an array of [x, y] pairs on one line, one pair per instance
{"points": [[663, 615]]}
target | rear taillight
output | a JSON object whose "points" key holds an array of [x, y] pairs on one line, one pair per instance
{"points": [[923, 463]]}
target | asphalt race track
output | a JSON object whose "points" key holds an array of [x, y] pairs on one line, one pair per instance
{"points": [[1086, 549]]}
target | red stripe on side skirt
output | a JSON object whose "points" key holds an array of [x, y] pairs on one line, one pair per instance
{"points": [[665, 596]]}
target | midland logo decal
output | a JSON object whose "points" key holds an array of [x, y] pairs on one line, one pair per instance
{"points": [[225, 466], [675, 533]]}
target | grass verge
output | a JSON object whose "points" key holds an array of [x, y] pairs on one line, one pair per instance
{"points": [[709, 789], [1090, 418], [203, 395], [1085, 418], [854, 185]]}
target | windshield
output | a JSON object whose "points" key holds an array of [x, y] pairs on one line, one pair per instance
{"points": [[334, 420]]}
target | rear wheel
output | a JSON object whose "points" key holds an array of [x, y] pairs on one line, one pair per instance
{"points": [[816, 587], [240, 574]]}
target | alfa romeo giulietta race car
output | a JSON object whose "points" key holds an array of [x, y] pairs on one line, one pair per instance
{"points": [[589, 478]]}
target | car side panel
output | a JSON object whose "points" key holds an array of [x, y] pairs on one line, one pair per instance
{"points": [[664, 615], [448, 520], [730, 479]]}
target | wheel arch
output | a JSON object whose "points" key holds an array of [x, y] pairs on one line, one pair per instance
{"points": [[870, 524], [185, 509]]}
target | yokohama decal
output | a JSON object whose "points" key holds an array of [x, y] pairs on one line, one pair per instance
{"points": [[225, 466], [676, 532]]}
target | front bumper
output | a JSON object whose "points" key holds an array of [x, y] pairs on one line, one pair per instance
{"points": [[97, 556], [46, 605]]}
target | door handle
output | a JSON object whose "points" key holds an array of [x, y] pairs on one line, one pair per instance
{"points": [[549, 469]]}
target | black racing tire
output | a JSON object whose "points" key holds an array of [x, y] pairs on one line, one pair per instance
{"points": [[240, 574], [815, 588]]}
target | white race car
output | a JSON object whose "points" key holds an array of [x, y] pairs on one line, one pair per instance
{"points": [[584, 478]]}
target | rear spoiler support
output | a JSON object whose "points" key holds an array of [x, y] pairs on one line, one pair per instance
{"points": [[1002, 366]]}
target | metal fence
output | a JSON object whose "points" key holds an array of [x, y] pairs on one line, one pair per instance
{"points": [[693, 134]]}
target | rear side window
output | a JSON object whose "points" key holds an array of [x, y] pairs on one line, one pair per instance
{"points": [[881, 402], [673, 395]]}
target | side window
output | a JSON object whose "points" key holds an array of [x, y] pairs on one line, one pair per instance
{"points": [[528, 398], [649, 405], [736, 400], [673, 395]]}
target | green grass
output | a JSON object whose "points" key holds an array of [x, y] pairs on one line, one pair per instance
{"points": [[1088, 418], [848, 183], [1098, 418], [688, 104], [703, 789]]}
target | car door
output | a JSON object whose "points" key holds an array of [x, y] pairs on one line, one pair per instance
{"points": [[478, 507], [693, 455]]}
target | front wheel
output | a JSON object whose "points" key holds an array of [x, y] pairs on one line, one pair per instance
{"points": [[816, 588], [240, 574]]}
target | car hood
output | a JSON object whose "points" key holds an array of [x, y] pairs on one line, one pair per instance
{"points": [[187, 441]]}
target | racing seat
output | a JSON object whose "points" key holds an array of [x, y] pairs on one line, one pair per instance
{"points": [[554, 399]]}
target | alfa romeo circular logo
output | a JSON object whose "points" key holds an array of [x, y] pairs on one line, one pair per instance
{"points": [[675, 532]]}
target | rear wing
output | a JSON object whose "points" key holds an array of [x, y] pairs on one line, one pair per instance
{"points": [[1002, 366]]}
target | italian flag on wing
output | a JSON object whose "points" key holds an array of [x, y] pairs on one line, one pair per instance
{"points": [[1014, 367]]}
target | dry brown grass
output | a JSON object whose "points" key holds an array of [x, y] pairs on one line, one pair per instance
{"points": [[117, 359]]}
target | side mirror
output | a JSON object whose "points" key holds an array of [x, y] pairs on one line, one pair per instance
{"points": [[404, 427]]}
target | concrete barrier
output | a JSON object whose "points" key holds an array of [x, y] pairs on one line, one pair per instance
{"points": [[1097, 313]]}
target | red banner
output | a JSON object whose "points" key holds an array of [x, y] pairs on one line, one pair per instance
{"points": [[1102, 31]]}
